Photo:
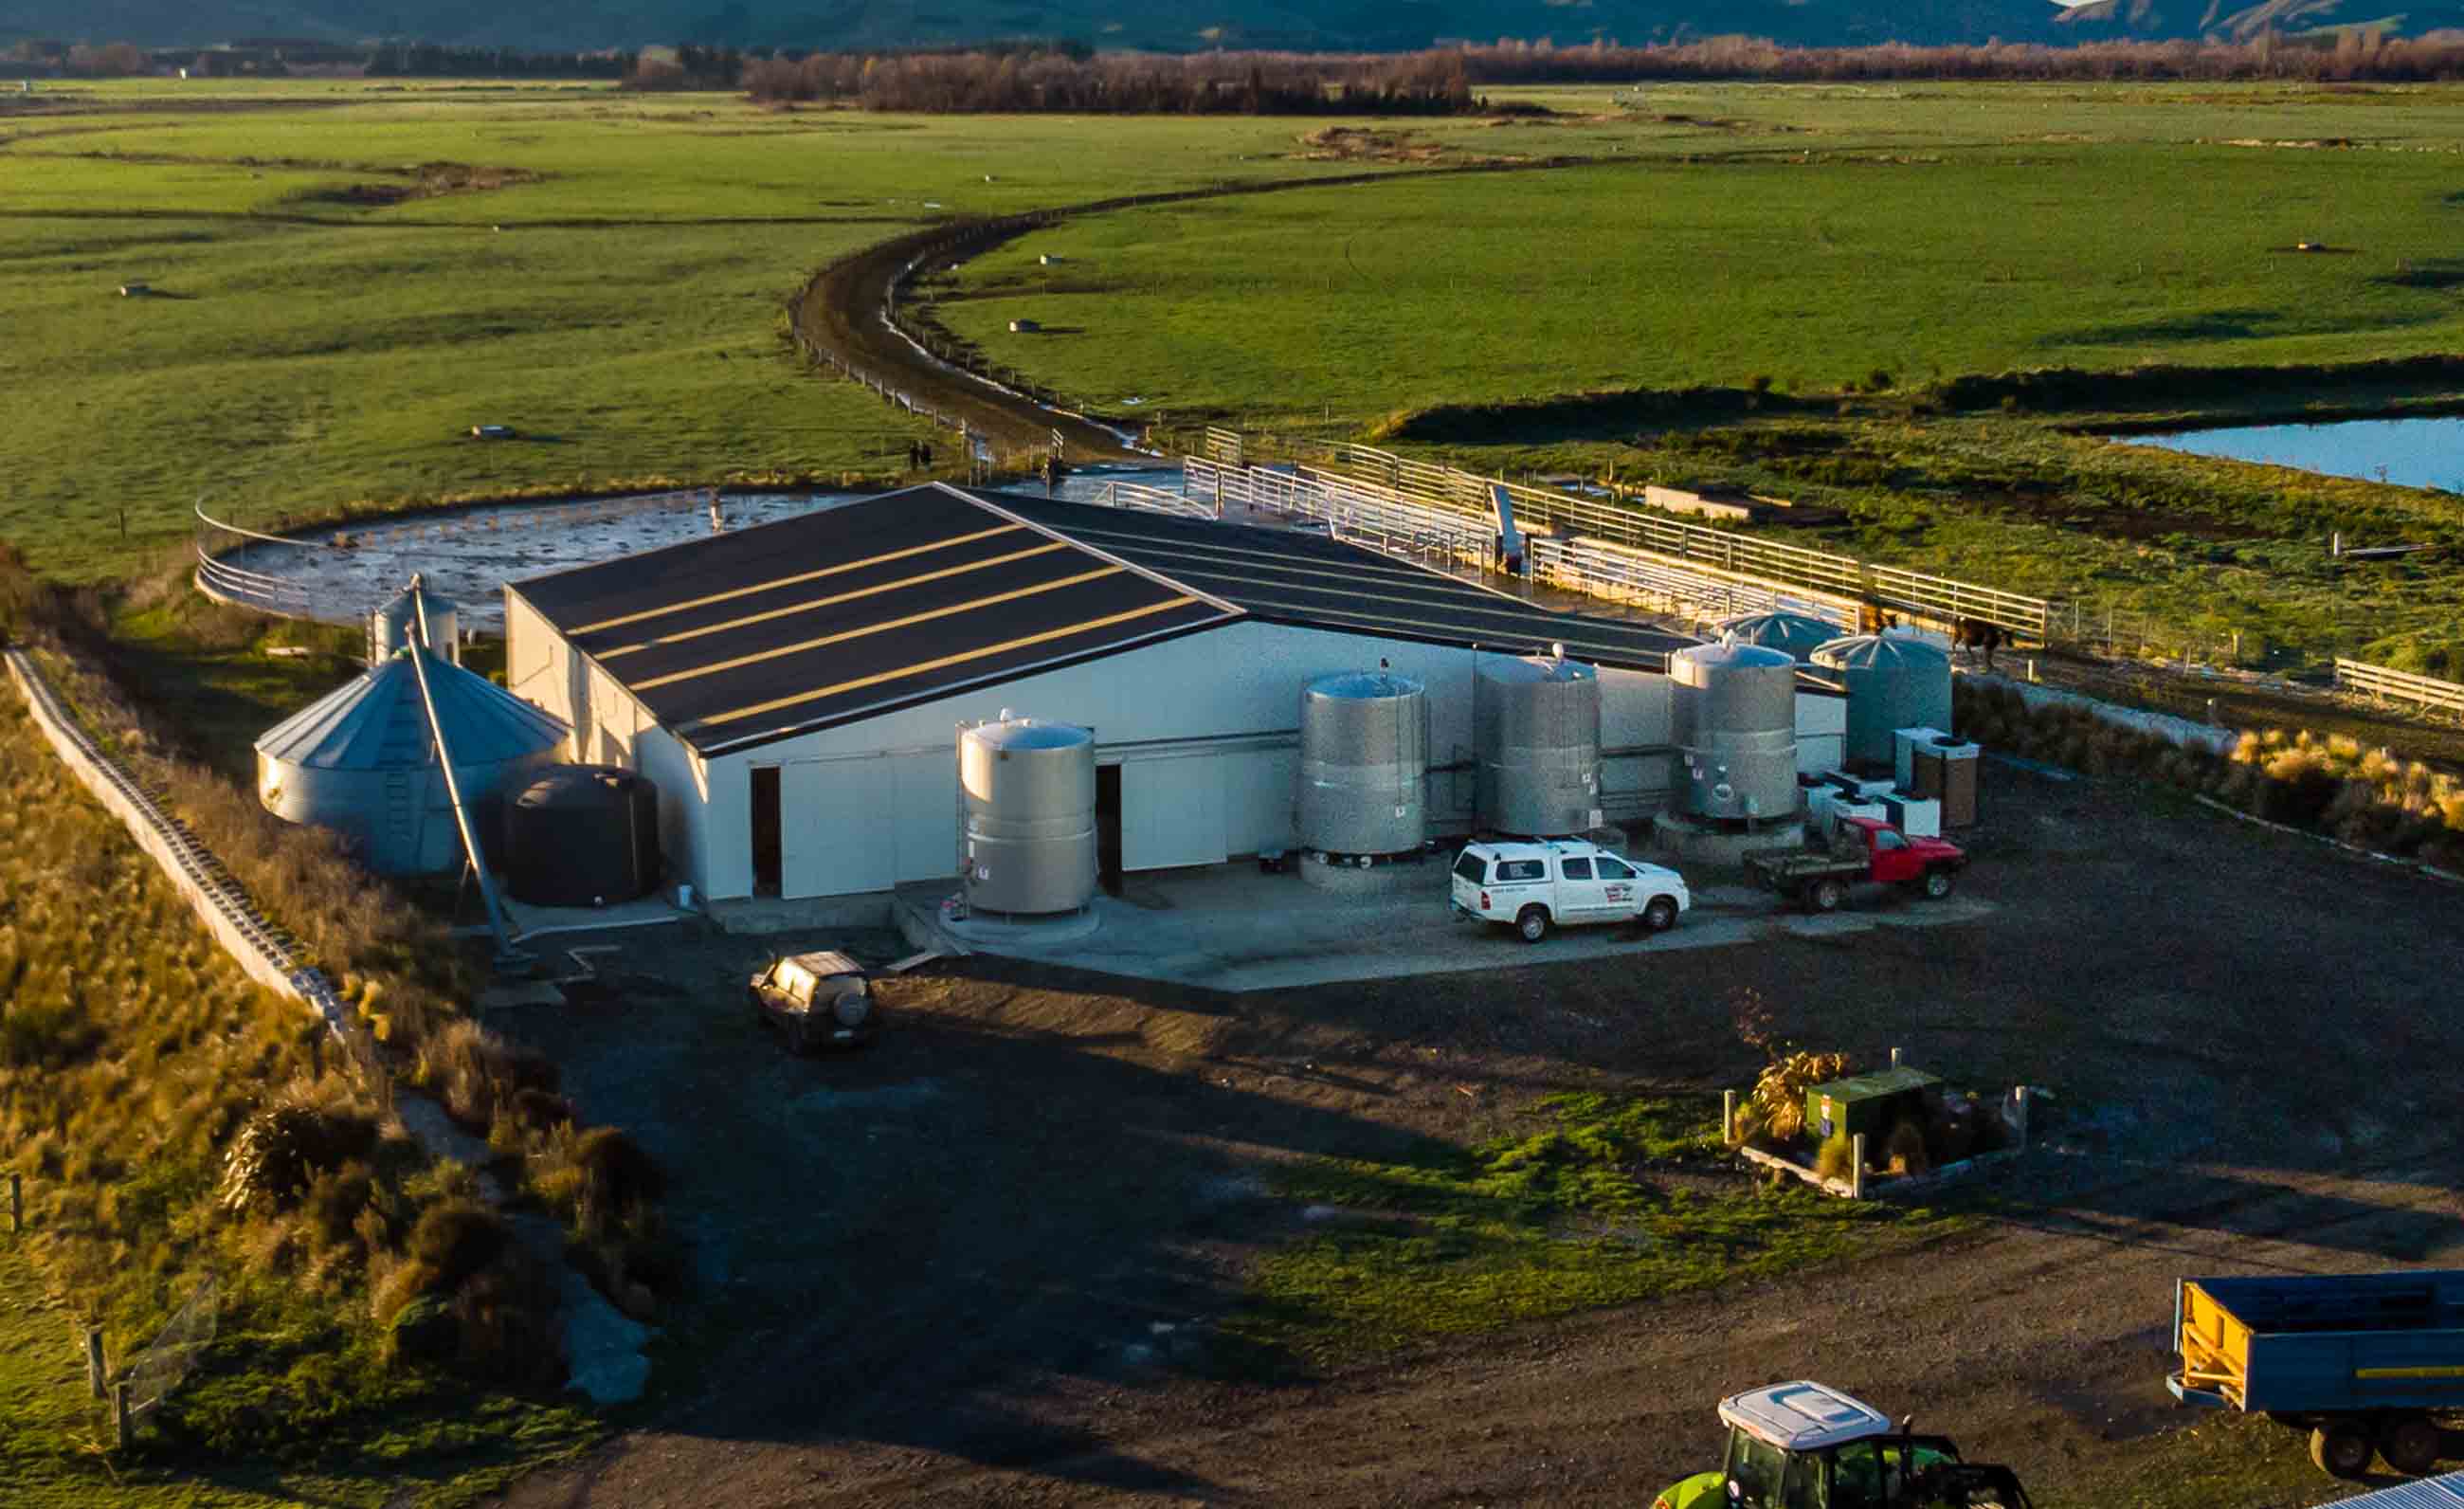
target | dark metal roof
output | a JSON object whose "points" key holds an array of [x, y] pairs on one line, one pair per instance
{"points": [[871, 605], [853, 610], [1289, 576]]}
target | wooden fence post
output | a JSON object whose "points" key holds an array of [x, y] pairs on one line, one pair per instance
{"points": [[2023, 1116], [94, 1371], [17, 1201], [1857, 1166], [120, 1433], [1729, 1116]]}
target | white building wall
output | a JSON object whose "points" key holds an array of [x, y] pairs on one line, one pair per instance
{"points": [[1206, 729]]}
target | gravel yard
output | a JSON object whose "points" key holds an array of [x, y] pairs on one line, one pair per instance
{"points": [[983, 1262]]}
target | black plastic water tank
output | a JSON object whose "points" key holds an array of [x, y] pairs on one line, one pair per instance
{"points": [[582, 835]]}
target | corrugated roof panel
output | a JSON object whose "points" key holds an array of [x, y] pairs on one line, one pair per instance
{"points": [[839, 614]]}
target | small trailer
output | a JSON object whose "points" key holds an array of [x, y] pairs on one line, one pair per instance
{"points": [[1864, 850], [2361, 1360]]}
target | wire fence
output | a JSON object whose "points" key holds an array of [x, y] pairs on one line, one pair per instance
{"points": [[162, 1365]]}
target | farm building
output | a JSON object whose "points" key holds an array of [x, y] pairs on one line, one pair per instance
{"points": [[795, 690]]}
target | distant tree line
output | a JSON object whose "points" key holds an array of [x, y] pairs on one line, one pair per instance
{"points": [[1078, 82], [2353, 53], [1071, 76], [427, 60]]}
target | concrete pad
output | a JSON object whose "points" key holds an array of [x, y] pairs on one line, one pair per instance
{"points": [[519, 994], [537, 921], [757, 916], [1229, 927]]}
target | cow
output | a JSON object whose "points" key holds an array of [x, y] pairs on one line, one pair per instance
{"points": [[1978, 634]]}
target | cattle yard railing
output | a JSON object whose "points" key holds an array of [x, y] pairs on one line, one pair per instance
{"points": [[1371, 514], [1779, 567], [226, 554], [2398, 686]]}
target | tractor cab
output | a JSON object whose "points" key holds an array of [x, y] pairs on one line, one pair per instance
{"points": [[1804, 1446]]}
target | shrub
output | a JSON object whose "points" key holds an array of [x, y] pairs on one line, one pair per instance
{"points": [[423, 1332], [1779, 1092], [474, 1072], [1904, 1150], [285, 1143], [455, 1239], [1835, 1158], [335, 1202]]}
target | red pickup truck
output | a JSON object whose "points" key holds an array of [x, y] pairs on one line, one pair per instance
{"points": [[1864, 849]]}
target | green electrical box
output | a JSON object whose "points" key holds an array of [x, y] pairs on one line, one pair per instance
{"points": [[1867, 1103]]}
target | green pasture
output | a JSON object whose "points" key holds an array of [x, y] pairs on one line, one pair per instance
{"points": [[618, 300], [1353, 302]]}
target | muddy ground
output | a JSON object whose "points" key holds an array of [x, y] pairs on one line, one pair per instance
{"points": [[969, 1265]]}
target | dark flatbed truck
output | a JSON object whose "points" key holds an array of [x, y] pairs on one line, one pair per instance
{"points": [[1864, 850], [2361, 1361]]}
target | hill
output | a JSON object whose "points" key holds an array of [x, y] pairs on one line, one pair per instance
{"points": [[1180, 25]]}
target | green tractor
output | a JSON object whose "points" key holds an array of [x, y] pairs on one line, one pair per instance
{"points": [[1803, 1446]]}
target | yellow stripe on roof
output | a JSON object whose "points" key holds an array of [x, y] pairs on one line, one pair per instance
{"points": [[882, 628], [808, 605], [2408, 1372], [790, 581], [960, 659]]}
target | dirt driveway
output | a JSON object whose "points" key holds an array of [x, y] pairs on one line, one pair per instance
{"points": [[966, 1267]]}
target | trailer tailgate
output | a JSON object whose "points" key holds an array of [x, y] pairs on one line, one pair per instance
{"points": [[2215, 1348]]}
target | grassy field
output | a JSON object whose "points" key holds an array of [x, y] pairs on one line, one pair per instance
{"points": [[1812, 273], [1588, 1208], [331, 317]]}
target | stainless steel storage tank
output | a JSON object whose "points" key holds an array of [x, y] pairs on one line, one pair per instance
{"points": [[1734, 710], [1795, 635], [1364, 765], [1537, 731], [582, 836], [390, 628], [361, 762], [1894, 681], [1026, 789]]}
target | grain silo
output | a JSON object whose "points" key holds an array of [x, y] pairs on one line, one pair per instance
{"points": [[582, 836], [1894, 681], [1536, 732], [1364, 766], [1795, 635], [1734, 712], [361, 761], [1027, 790], [395, 624]]}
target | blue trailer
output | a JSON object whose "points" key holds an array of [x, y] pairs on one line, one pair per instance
{"points": [[2363, 1362]]}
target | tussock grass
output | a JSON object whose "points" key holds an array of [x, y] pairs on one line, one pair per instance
{"points": [[170, 1125]]}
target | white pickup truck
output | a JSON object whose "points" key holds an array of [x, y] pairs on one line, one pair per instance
{"points": [[1562, 883]]}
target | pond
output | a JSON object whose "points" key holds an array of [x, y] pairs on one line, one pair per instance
{"points": [[2409, 453], [467, 554]]}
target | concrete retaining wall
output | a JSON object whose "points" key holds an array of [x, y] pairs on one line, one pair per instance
{"points": [[2180, 731], [225, 910]]}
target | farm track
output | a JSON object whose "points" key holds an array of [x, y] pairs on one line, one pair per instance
{"points": [[842, 309]]}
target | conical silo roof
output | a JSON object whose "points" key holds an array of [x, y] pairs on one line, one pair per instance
{"points": [[1868, 652], [377, 722], [1798, 634]]}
